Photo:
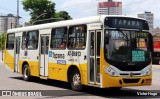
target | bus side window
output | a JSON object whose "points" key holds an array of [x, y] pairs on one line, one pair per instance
{"points": [[32, 39], [58, 37], [10, 41], [77, 36]]}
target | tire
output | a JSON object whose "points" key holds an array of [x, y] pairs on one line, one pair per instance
{"points": [[26, 73], [76, 81]]}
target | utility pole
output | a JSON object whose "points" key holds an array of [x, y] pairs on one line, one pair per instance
{"points": [[17, 13], [11, 25], [2, 45]]}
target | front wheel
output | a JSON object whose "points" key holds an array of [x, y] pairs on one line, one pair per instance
{"points": [[76, 81], [26, 72]]}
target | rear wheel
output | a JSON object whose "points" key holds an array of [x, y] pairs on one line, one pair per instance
{"points": [[26, 72], [76, 80]]}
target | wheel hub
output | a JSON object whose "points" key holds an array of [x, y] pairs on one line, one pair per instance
{"points": [[26, 73], [76, 80]]}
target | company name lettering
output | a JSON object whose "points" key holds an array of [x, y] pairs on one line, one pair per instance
{"points": [[74, 53], [60, 56]]}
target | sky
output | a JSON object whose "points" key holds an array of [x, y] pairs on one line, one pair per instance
{"points": [[85, 8]]}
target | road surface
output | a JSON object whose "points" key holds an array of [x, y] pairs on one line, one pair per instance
{"points": [[57, 89]]}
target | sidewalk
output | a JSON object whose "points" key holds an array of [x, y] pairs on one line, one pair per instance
{"points": [[1, 56], [156, 67]]}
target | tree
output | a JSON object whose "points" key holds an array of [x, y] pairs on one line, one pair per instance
{"points": [[2, 40], [64, 15], [43, 9], [39, 9]]}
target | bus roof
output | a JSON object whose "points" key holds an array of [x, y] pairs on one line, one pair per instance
{"points": [[87, 20]]}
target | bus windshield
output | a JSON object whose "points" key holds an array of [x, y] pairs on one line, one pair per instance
{"points": [[127, 46]]}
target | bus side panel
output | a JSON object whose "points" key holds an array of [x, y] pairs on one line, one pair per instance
{"points": [[57, 72], [59, 66], [20, 66], [34, 68], [31, 57], [9, 59], [33, 65], [84, 74]]}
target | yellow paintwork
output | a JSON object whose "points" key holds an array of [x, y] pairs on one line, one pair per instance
{"points": [[33, 65], [109, 81], [59, 72], [55, 71], [9, 60]]}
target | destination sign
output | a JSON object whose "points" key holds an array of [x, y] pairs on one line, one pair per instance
{"points": [[128, 23], [138, 56]]}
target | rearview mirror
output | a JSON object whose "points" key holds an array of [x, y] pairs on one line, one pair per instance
{"points": [[151, 42], [106, 39]]}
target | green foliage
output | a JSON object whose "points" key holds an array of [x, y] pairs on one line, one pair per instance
{"points": [[43, 9], [2, 40], [64, 15], [37, 8]]}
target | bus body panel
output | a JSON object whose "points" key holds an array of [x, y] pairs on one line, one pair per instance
{"points": [[109, 81], [59, 61], [9, 59], [32, 60]]}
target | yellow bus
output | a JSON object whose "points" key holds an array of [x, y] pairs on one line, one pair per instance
{"points": [[101, 51]]}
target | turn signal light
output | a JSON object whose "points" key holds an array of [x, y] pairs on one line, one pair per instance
{"points": [[148, 80]]}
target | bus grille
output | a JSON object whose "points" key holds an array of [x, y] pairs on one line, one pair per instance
{"points": [[128, 74], [131, 80]]}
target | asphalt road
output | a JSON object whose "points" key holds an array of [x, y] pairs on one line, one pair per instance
{"points": [[57, 89]]}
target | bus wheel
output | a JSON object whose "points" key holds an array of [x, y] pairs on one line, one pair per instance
{"points": [[26, 72], [76, 80]]}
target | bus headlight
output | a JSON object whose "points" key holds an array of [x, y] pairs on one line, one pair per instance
{"points": [[146, 71], [110, 71]]}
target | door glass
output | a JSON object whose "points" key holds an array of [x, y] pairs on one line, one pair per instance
{"points": [[98, 70], [47, 44], [98, 43], [95, 47], [17, 45], [92, 69], [42, 45], [92, 44]]}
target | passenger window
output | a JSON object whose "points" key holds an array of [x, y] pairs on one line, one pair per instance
{"points": [[10, 41], [32, 39], [58, 38], [77, 36]]}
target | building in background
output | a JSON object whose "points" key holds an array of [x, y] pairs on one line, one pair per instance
{"points": [[155, 32], [27, 24], [7, 22], [110, 8], [149, 17]]}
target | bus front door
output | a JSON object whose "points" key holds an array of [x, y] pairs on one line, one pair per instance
{"points": [[17, 52], [44, 55], [94, 59]]}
